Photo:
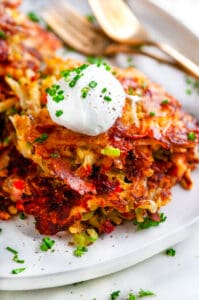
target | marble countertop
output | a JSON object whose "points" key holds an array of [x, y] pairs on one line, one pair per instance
{"points": [[170, 278]]}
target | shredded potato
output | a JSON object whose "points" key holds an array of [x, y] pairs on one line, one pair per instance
{"points": [[66, 180]]}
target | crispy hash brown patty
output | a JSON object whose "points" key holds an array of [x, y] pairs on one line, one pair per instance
{"points": [[66, 180]]}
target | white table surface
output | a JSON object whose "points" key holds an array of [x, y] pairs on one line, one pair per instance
{"points": [[170, 278]]}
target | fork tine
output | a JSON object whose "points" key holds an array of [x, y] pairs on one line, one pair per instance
{"points": [[74, 29], [66, 36]]}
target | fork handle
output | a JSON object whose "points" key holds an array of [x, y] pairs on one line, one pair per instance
{"points": [[186, 64], [182, 61]]}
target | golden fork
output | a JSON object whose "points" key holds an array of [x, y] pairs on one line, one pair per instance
{"points": [[120, 24], [76, 31]]}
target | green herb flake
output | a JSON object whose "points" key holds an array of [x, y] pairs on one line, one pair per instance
{"points": [[80, 250], [91, 18], [188, 80], [107, 67], [9, 75], [33, 17], [0, 229], [193, 85], [47, 244], [188, 91], [56, 93], [191, 136], [94, 60], [54, 155], [41, 139], [12, 250], [17, 271], [131, 91], [131, 297], [73, 82], [111, 151], [147, 223], [170, 252], [143, 293], [152, 113], [22, 216], [98, 61], [65, 74], [84, 92], [83, 67], [92, 84], [107, 98], [12, 111], [3, 35], [6, 140], [165, 102], [59, 113], [114, 295], [130, 61], [103, 90], [17, 260]]}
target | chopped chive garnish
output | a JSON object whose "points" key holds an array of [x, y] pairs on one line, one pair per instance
{"points": [[147, 223], [98, 61], [22, 216], [12, 250], [56, 93], [107, 67], [61, 92], [191, 136], [143, 293], [3, 35], [114, 295], [65, 73], [73, 82], [165, 101], [130, 91], [189, 80], [104, 90], [170, 252], [59, 113], [111, 151], [92, 84], [17, 271], [84, 92], [83, 67], [47, 244], [152, 113], [9, 75], [41, 139], [90, 18], [94, 60], [188, 91], [33, 17], [107, 98], [131, 297], [0, 229], [80, 250], [193, 85], [54, 155], [17, 260], [6, 140]]}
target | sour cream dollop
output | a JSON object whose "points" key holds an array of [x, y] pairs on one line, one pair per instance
{"points": [[87, 100]]}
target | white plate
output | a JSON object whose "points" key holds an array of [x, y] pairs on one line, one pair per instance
{"points": [[124, 247]]}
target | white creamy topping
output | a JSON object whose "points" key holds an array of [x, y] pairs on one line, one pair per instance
{"points": [[92, 105]]}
